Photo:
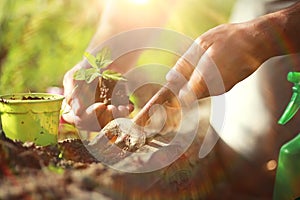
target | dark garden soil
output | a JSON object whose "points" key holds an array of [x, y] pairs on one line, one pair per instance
{"points": [[68, 171], [108, 89], [25, 97]]}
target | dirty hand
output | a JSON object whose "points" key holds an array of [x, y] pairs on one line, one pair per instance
{"points": [[80, 108], [222, 57]]}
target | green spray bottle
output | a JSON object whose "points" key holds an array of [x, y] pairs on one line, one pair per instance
{"points": [[287, 183]]}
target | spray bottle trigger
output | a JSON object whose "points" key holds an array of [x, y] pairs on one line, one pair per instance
{"points": [[294, 103]]}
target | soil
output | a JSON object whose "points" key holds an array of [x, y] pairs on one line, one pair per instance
{"points": [[3, 100], [68, 171], [32, 98], [109, 92], [23, 98]]}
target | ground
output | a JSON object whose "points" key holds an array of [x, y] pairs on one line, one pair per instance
{"points": [[68, 171]]}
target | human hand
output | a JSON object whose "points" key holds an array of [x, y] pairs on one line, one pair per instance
{"points": [[222, 57], [80, 107]]}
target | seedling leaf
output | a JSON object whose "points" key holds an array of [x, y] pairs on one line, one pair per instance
{"points": [[103, 58], [105, 63], [91, 74], [79, 74], [109, 74], [87, 74], [98, 62], [91, 59], [104, 54]]}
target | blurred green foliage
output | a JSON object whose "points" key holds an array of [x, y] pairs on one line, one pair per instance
{"points": [[195, 17], [191, 18], [41, 39]]}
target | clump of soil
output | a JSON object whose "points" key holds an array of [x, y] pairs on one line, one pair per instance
{"points": [[3, 100], [62, 171], [32, 98], [17, 154], [111, 92]]}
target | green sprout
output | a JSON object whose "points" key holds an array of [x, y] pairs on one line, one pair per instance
{"points": [[55, 169], [98, 63]]}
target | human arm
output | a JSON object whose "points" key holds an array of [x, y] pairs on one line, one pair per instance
{"points": [[236, 51], [117, 16]]}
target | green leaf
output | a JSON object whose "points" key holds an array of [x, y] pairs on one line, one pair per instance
{"points": [[109, 74], [104, 54], [79, 74], [103, 58], [55, 169], [105, 63], [91, 59], [87, 74], [91, 74]]}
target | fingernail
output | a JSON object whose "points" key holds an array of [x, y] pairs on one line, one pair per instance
{"points": [[76, 107]]}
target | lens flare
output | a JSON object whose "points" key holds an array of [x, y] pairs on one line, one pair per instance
{"points": [[139, 1]]}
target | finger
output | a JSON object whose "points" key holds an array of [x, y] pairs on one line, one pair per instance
{"points": [[106, 115], [186, 64], [67, 113], [98, 115], [83, 96], [81, 91], [123, 111], [119, 111], [130, 107], [88, 120], [97, 108], [68, 86], [205, 81], [194, 89], [211, 83], [69, 83]]}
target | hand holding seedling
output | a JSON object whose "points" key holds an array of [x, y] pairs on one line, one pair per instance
{"points": [[86, 98]]}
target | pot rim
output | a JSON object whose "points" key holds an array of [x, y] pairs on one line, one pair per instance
{"points": [[48, 98]]}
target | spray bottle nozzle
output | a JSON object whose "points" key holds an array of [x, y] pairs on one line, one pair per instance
{"points": [[294, 103]]}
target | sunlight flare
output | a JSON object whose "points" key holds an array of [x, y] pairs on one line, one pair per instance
{"points": [[140, 1]]}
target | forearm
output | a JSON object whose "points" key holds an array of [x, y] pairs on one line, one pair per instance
{"points": [[291, 31], [282, 30], [124, 15]]}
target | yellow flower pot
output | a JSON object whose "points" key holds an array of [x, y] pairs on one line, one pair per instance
{"points": [[31, 117]]}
